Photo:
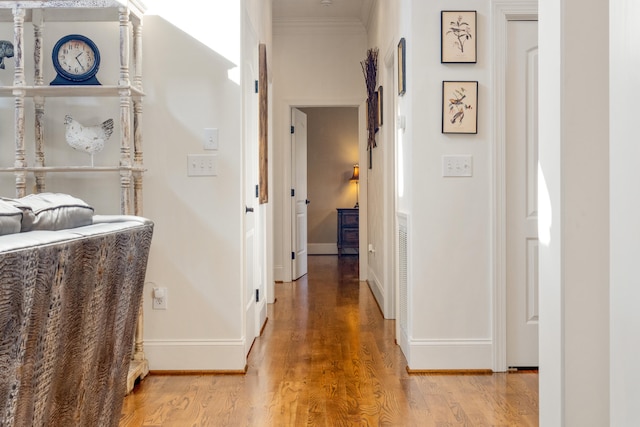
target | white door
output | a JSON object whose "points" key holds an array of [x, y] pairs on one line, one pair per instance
{"points": [[250, 210], [299, 193], [521, 197]]}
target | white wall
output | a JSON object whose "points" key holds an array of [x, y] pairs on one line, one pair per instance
{"points": [[198, 241], [574, 263], [381, 205], [196, 249], [313, 65], [549, 222], [450, 304], [625, 207]]}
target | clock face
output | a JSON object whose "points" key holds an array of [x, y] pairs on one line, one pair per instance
{"points": [[76, 57]]}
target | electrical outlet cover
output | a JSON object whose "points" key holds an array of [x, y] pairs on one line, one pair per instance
{"points": [[159, 298]]}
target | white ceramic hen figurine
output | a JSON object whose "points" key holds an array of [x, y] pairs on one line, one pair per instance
{"points": [[89, 139]]}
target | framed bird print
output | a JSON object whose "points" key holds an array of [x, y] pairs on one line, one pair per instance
{"points": [[458, 36], [460, 107]]}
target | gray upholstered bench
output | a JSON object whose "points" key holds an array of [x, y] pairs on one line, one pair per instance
{"points": [[69, 301]]}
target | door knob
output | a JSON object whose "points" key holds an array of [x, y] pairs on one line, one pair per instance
{"points": [[307, 201], [247, 209]]}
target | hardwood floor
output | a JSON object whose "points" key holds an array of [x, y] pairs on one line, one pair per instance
{"points": [[327, 358]]}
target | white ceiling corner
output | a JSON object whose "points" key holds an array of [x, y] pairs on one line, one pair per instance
{"points": [[287, 11]]}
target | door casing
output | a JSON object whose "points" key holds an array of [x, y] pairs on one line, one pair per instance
{"points": [[288, 179], [502, 12]]}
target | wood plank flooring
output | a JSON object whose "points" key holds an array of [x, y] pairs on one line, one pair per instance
{"points": [[328, 358]]}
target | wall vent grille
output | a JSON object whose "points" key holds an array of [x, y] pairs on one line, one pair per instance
{"points": [[403, 233]]}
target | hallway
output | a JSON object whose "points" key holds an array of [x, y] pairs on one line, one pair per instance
{"points": [[326, 357]]}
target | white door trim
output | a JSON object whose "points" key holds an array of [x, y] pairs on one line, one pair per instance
{"points": [[502, 11], [286, 106], [389, 226]]}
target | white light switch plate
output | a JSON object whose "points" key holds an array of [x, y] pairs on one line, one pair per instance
{"points": [[461, 165], [210, 139], [202, 165]]}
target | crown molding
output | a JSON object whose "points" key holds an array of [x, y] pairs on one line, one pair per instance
{"points": [[318, 26], [367, 12]]}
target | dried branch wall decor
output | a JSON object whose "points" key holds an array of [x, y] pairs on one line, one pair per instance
{"points": [[370, 70]]}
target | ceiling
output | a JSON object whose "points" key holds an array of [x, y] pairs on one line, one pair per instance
{"points": [[314, 10]]}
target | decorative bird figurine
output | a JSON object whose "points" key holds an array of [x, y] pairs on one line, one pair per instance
{"points": [[89, 139], [6, 51]]}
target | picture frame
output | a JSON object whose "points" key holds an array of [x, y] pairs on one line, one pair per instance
{"points": [[459, 41], [263, 126], [460, 107], [379, 93], [402, 78]]}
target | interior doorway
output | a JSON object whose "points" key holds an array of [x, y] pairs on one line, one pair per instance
{"points": [[521, 194], [332, 149], [503, 14]]}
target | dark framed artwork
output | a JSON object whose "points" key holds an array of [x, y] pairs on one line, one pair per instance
{"points": [[460, 107], [402, 78], [379, 106], [263, 130], [459, 39]]}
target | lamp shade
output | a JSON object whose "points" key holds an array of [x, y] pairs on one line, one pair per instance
{"points": [[356, 173]]}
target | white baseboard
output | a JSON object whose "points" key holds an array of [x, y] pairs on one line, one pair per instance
{"points": [[404, 343], [322, 249], [278, 273], [450, 354], [262, 309], [195, 355], [376, 289]]}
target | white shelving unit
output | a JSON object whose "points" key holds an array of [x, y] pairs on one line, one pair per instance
{"points": [[128, 93]]}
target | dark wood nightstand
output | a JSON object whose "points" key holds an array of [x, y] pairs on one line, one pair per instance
{"points": [[348, 233]]}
